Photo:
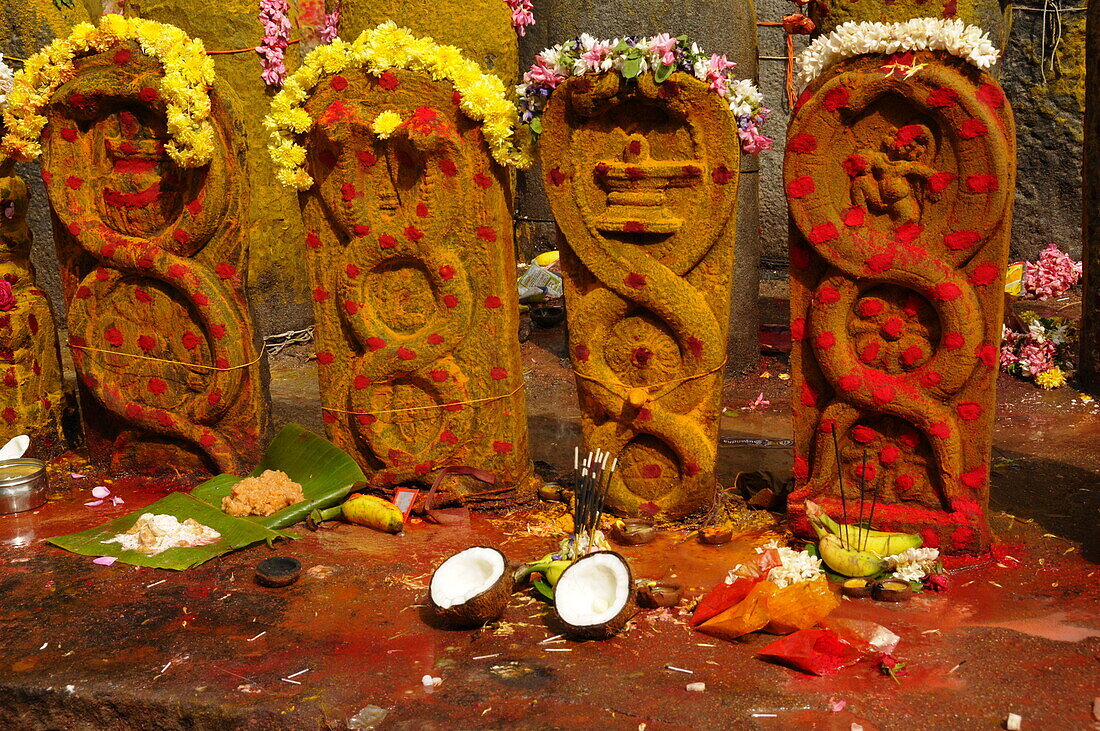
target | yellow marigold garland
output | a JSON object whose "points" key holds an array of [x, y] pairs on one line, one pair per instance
{"points": [[188, 76], [484, 96]]}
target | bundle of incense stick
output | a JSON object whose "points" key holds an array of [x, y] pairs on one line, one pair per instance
{"points": [[862, 497], [593, 481]]}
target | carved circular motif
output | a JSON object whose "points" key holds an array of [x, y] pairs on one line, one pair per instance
{"points": [[893, 329], [642, 350]]}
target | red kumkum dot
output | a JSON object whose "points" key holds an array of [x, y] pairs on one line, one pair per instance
{"points": [[969, 410], [497, 373], [802, 143], [635, 280], [800, 187], [375, 343]]}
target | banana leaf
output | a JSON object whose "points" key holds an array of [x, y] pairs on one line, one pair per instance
{"points": [[326, 473], [235, 533]]}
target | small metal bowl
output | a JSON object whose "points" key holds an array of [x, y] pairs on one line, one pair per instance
{"points": [[23, 485]]}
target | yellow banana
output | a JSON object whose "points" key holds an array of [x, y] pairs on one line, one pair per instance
{"points": [[368, 510], [848, 561], [880, 543]]}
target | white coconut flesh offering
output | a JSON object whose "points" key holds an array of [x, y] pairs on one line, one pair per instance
{"points": [[593, 590], [466, 575]]}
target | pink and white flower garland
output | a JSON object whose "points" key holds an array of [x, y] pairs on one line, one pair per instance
{"points": [[662, 55], [273, 16], [523, 15]]}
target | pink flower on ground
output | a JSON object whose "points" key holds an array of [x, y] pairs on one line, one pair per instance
{"points": [[664, 46], [1037, 357], [1052, 275]]}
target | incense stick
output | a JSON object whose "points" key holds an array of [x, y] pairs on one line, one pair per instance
{"points": [[871, 517], [862, 490], [840, 478]]}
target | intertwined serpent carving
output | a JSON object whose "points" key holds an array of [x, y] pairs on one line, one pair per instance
{"points": [[642, 179], [900, 175], [412, 267], [154, 264]]}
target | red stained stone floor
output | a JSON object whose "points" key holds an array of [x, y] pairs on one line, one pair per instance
{"points": [[92, 647]]}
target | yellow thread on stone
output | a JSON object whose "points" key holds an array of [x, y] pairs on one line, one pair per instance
{"points": [[166, 360], [447, 405]]}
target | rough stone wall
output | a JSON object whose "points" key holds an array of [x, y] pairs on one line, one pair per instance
{"points": [[718, 27], [1049, 116], [1090, 326]]}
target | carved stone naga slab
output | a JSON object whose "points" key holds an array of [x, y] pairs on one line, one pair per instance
{"points": [[153, 265], [900, 173], [410, 254], [642, 180], [32, 400]]}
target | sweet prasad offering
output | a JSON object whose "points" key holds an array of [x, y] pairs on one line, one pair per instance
{"points": [[265, 494], [153, 534]]}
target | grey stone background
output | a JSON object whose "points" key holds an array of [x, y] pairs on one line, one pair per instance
{"points": [[1049, 117]]}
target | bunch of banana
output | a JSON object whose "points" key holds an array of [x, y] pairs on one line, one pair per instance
{"points": [[851, 550]]}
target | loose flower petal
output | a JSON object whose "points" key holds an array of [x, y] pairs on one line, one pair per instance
{"points": [[100, 491], [105, 560]]}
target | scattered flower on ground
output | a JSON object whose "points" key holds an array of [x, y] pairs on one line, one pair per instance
{"points": [[913, 564], [1043, 353], [1052, 275]]}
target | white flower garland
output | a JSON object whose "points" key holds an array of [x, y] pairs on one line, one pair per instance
{"points": [[919, 34], [913, 564], [6, 78]]}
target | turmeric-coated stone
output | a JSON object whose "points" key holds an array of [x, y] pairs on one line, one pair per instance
{"points": [[31, 396], [272, 225], [900, 173], [409, 250], [642, 180], [153, 265], [481, 29]]}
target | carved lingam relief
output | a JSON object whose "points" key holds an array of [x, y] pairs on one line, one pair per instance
{"points": [[899, 175], [153, 266], [410, 254], [642, 180]]}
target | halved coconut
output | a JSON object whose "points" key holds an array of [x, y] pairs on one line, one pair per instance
{"points": [[471, 587], [594, 597]]}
